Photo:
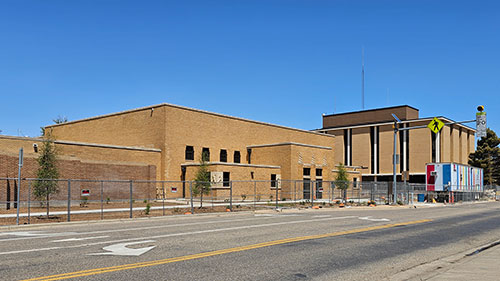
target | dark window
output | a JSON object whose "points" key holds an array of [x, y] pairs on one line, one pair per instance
{"points": [[273, 180], [307, 171], [223, 155], [319, 172], [407, 150], [355, 182], [225, 179], [189, 152], [249, 155], [306, 188], [237, 157], [374, 151], [319, 189], [347, 147], [205, 154]]}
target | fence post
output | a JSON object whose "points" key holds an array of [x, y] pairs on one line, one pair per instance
{"points": [[69, 200], [295, 191], [254, 195], [102, 200], [277, 194], [191, 196], [29, 201], [312, 191], [131, 198], [163, 195], [231, 196]]}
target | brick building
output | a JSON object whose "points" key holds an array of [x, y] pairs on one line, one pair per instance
{"points": [[238, 149], [365, 139]]}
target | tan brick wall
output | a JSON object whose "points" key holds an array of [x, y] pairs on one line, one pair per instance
{"points": [[369, 116], [242, 182], [361, 149], [454, 148], [77, 169], [386, 140], [78, 161], [221, 132]]}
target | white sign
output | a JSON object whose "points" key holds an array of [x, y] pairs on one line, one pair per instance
{"points": [[481, 124]]}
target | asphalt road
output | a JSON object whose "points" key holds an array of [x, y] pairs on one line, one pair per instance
{"points": [[325, 244]]}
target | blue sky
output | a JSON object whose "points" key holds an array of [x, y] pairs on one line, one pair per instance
{"points": [[283, 62]]}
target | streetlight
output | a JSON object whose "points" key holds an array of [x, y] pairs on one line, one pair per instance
{"points": [[394, 159]]}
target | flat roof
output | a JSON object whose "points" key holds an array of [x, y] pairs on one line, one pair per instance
{"points": [[368, 110], [190, 109]]}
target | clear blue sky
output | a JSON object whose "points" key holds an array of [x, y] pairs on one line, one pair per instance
{"points": [[284, 62]]}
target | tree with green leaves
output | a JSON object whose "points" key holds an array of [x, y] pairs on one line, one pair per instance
{"points": [[202, 179], [342, 180], [487, 156], [48, 173]]}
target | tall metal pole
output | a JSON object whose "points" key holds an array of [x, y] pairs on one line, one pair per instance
{"points": [[19, 184], [363, 78], [394, 188]]}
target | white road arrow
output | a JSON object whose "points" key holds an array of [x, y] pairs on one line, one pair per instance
{"points": [[372, 219], [122, 250]]}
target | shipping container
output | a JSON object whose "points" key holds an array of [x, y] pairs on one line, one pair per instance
{"points": [[453, 177]]}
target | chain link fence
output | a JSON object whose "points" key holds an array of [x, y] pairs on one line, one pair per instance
{"points": [[114, 199]]}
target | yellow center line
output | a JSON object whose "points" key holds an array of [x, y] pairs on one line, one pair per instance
{"points": [[217, 252]]}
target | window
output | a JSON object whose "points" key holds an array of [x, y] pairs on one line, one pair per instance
{"points": [[404, 149], [273, 180], [237, 157], [223, 155], [319, 172], [375, 150], [189, 152], [225, 179], [249, 155], [307, 172], [355, 183], [205, 154], [347, 147]]}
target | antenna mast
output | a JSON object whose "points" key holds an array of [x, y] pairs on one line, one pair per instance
{"points": [[363, 78]]}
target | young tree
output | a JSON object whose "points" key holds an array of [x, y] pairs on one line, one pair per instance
{"points": [[202, 179], [487, 156], [342, 180], [47, 174], [60, 119]]}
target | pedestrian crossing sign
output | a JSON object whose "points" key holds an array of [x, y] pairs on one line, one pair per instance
{"points": [[435, 125]]}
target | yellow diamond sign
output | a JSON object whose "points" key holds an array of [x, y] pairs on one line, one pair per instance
{"points": [[435, 125]]}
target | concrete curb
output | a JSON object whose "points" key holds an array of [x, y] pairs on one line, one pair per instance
{"points": [[435, 268]]}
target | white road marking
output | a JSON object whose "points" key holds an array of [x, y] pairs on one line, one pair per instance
{"points": [[276, 215], [37, 234], [179, 234], [122, 250], [321, 216], [79, 239], [123, 229], [372, 219]]}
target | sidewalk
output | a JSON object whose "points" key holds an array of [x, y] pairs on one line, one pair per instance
{"points": [[483, 266]]}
